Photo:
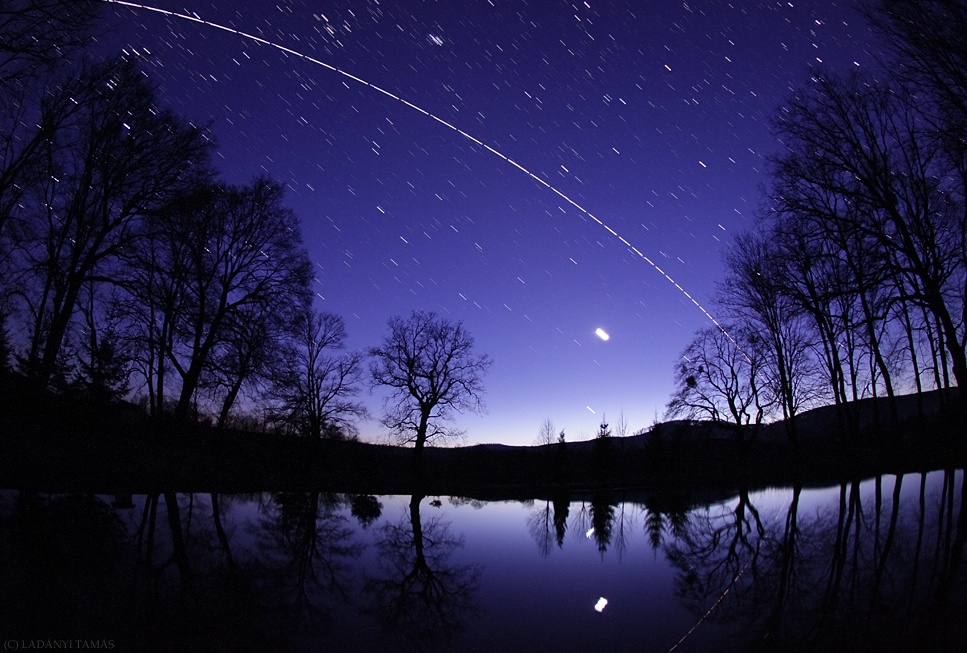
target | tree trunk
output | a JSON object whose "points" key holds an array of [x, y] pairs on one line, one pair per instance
{"points": [[229, 402]]}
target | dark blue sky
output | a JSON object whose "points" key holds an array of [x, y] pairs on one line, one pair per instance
{"points": [[652, 116]]}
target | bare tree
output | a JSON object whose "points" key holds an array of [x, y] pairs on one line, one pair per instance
{"points": [[858, 282], [252, 342], [870, 146], [753, 294], [429, 366], [36, 35], [317, 392], [720, 378], [621, 428], [6, 350], [250, 260], [838, 279], [117, 158], [104, 364], [215, 264], [547, 434], [927, 38], [37, 38]]}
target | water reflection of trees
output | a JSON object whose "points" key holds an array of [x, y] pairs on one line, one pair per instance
{"points": [[594, 519], [870, 571], [604, 518], [719, 544], [547, 523], [181, 573], [541, 525], [877, 567], [307, 548], [189, 587], [198, 582], [420, 594], [71, 566], [661, 524]]}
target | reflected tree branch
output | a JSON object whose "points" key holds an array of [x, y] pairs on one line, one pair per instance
{"points": [[420, 593]]}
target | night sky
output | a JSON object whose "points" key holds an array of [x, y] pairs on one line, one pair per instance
{"points": [[651, 116]]}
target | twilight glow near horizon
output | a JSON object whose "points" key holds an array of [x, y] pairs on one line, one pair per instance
{"points": [[652, 117]]}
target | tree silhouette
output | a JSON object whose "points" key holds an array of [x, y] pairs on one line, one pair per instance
{"points": [[602, 452], [604, 430], [6, 351], [247, 354], [720, 377], [115, 159], [926, 37], [214, 264], [104, 371], [37, 35], [751, 292], [547, 434], [37, 38], [429, 366], [316, 392], [856, 280], [420, 594], [865, 150], [311, 545]]}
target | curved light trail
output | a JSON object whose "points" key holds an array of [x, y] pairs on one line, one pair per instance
{"points": [[194, 18]]}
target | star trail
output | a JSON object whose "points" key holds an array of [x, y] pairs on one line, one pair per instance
{"points": [[506, 164]]}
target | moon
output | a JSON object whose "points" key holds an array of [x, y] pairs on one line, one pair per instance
{"points": [[601, 333]]}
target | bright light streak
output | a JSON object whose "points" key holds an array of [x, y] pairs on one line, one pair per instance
{"points": [[601, 333], [601, 604], [194, 18], [589, 533]]}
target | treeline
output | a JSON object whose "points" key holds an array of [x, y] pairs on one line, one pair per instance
{"points": [[854, 283], [126, 263]]}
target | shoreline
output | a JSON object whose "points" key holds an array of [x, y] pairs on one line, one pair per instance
{"points": [[62, 444]]}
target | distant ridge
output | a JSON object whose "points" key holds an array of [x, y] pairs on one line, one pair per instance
{"points": [[58, 444]]}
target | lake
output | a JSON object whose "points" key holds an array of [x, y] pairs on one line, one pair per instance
{"points": [[872, 564]]}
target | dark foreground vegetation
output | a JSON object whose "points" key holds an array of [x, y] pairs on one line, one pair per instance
{"points": [[53, 443]]}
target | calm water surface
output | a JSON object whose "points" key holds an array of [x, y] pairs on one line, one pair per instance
{"points": [[871, 565]]}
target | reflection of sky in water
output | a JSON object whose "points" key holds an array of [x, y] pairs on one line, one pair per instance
{"points": [[555, 596], [523, 593], [534, 598]]}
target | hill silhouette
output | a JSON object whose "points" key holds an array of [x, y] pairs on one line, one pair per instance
{"points": [[58, 443]]}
